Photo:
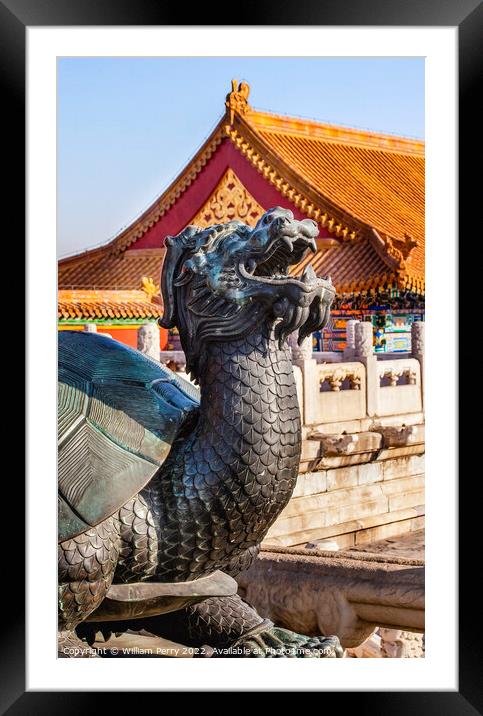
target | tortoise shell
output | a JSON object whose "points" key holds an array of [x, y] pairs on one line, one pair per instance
{"points": [[119, 413]]}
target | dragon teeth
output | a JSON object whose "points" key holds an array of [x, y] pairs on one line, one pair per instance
{"points": [[309, 274]]}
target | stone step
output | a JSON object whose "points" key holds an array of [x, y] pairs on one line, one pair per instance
{"points": [[317, 525], [365, 523], [352, 495]]}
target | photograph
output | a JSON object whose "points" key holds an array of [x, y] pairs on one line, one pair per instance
{"points": [[242, 350], [241, 317]]}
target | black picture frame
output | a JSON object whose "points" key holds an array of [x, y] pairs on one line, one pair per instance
{"points": [[15, 17]]}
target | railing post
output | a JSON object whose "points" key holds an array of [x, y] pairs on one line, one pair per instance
{"points": [[148, 340], [349, 350], [303, 352], [302, 358], [364, 353], [417, 349]]}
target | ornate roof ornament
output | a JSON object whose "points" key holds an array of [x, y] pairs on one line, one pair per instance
{"points": [[237, 99], [384, 243], [231, 200], [149, 287], [408, 245]]}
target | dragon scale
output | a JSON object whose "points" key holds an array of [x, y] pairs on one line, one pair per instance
{"points": [[221, 488]]}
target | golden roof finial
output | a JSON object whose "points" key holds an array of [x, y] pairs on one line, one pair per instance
{"points": [[237, 99], [149, 287]]}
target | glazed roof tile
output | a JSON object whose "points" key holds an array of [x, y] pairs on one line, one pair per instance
{"points": [[384, 189], [105, 305], [101, 270]]}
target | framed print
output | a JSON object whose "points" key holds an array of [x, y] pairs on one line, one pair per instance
{"points": [[174, 321]]}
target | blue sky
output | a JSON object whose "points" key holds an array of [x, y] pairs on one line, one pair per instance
{"points": [[127, 126]]}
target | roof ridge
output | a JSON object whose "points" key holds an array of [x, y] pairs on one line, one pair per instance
{"points": [[236, 103], [316, 130]]}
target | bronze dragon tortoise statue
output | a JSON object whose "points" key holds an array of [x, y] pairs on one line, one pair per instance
{"points": [[162, 485]]}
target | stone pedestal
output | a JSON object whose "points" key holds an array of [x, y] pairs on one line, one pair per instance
{"points": [[148, 340], [318, 591]]}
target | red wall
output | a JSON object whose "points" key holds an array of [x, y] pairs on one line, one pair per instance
{"points": [[128, 336], [203, 186]]}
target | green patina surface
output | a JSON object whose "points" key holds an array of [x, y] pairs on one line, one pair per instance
{"points": [[119, 413]]}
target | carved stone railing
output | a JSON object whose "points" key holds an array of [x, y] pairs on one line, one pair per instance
{"points": [[357, 369], [333, 391], [176, 358], [399, 388], [396, 375], [338, 392], [363, 387]]}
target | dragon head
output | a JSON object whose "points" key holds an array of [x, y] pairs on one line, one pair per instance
{"points": [[221, 283]]}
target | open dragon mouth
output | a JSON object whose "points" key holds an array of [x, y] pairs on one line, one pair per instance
{"points": [[273, 265], [225, 281], [284, 252], [299, 303]]}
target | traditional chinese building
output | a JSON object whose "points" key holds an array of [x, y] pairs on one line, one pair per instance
{"points": [[365, 190]]}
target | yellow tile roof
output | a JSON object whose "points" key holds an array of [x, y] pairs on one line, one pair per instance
{"points": [[385, 189], [358, 184], [102, 270], [105, 305]]}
